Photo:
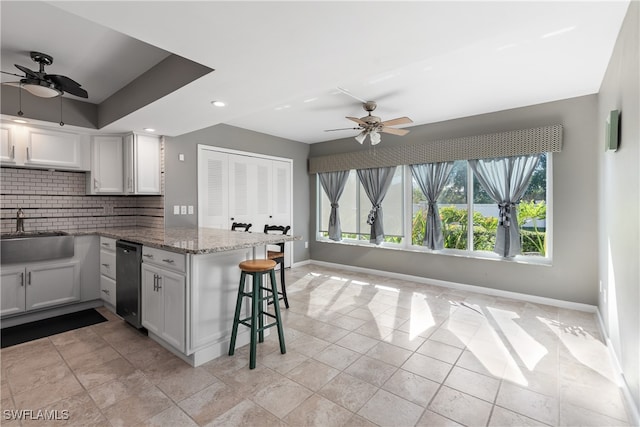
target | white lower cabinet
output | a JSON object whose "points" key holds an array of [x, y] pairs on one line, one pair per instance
{"points": [[164, 304], [108, 272], [38, 286], [108, 291]]}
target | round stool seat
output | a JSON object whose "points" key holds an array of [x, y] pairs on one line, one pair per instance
{"points": [[257, 265]]}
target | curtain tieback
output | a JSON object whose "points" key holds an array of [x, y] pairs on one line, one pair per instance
{"points": [[504, 218], [335, 205], [371, 218]]}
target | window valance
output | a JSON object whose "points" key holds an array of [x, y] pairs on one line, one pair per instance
{"points": [[545, 139]]}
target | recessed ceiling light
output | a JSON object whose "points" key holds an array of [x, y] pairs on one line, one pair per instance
{"points": [[20, 121], [149, 129], [218, 103]]}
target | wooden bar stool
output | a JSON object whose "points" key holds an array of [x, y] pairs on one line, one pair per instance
{"points": [[256, 269]]}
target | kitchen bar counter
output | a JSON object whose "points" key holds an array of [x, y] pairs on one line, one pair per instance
{"points": [[190, 240]]}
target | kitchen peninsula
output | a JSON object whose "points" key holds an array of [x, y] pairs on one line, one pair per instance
{"points": [[189, 284]]}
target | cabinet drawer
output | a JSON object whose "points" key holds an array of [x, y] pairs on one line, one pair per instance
{"points": [[108, 290], [108, 263], [165, 259], [107, 243]]}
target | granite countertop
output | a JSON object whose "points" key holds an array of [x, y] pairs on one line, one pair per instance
{"points": [[190, 240]]}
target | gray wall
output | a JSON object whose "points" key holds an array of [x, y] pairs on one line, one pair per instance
{"points": [[573, 275], [619, 225], [181, 176]]}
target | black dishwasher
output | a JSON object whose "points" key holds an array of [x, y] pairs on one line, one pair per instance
{"points": [[128, 282]]}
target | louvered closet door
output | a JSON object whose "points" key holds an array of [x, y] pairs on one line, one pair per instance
{"points": [[281, 201], [241, 189], [213, 189]]}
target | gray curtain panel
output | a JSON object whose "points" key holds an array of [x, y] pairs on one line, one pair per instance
{"points": [[376, 182], [506, 180], [333, 184], [432, 177]]}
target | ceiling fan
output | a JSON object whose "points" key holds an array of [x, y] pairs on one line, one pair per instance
{"points": [[45, 85], [372, 125]]}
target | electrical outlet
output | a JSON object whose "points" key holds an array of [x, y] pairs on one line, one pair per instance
{"points": [[176, 210], [190, 209], [183, 210], [306, 245], [181, 157]]}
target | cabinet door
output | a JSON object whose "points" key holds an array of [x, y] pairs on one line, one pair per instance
{"points": [[250, 189], [147, 164], [172, 287], [108, 290], [152, 303], [7, 144], [52, 284], [281, 200], [213, 189], [12, 285], [53, 148], [107, 165], [128, 148]]}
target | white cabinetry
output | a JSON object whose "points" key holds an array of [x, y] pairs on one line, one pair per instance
{"points": [[40, 147], [39, 285], [164, 295], [107, 165], [108, 272], [242, 188], [142, 164]]}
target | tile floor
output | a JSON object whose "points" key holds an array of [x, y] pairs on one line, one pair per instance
{"points": [[362, 350]]}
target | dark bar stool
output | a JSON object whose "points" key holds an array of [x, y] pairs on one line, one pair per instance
{"points": [[256, 269], [278, 256], [240, 226]]}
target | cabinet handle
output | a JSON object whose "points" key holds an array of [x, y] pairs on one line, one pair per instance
{"points": [[106, 291], [155, 282], [29, 278], [130, 184], [159, 279], [148, 256], [28, 154], [106, 244], [106, 265], [170, 261], [13, 152], [96, 185], [22, 279]]}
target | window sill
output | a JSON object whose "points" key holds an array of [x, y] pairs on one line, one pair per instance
{"points": [[482, 255]]}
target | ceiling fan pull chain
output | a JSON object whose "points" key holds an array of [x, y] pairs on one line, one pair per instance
{"points": [[61, 122], [20, 113]]}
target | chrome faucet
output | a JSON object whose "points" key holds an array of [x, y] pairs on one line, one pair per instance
{"points": [[20, 221]]}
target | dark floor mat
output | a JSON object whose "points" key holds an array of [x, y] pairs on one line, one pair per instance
{"points": [[43, 328]]}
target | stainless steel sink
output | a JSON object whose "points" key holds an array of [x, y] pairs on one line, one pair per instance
{"points": [[35, 246]]}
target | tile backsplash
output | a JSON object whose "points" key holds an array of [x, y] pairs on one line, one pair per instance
{"points": [[57, 200]]}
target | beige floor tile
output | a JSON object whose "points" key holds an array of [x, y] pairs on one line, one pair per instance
{"points": [[77, 410], [483, 365], [281, 396], [92, 376], [125, 387], [308, 345], [247, 381], [227, 364], [182, 383], [404, 340], [312, 374], [478, 385], [208, 404], [246, 413], [348, 391], [606, 399], [533, 405], [92, 358], [78, 341], [411, 387], [427, 367], [388, 353], [358, 421], [437, 350], [150, 357], [172, 417], [431, 419], [371, 370], [387, 409], [283, 363], [572, 415], [357, 342], [347, 322], [460, 407], [374, 330], [48, 392], [501, 417], [320, 412], [25, 357], [446, 336], [137, 408], [337, 357], [23, 381]]}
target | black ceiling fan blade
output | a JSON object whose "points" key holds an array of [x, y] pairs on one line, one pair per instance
{"points": [[28, 72], [11, 74], [68, 85]]}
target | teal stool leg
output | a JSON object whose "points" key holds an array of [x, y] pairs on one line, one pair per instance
{"points": [[236, 317], [260, 311], [254, 319], [276, 307]]}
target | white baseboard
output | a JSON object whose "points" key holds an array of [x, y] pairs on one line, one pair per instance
{"points": [[464, 287], [632, 408], [301, 263]]}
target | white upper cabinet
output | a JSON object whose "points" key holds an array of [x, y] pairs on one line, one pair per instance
{"points": [[107, 165], [142, 164], [37, 147]]}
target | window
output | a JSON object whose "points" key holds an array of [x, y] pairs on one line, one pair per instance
{"points": [[462, 202]]}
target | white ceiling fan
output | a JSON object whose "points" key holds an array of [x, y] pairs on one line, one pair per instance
{"points": [[371, 125]]}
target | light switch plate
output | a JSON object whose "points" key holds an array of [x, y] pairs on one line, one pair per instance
{"points": [[176, 210], [190, 209], [181, 157], [183, 210]]}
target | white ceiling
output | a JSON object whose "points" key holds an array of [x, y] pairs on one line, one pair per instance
{"points": [[278, 64]]}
